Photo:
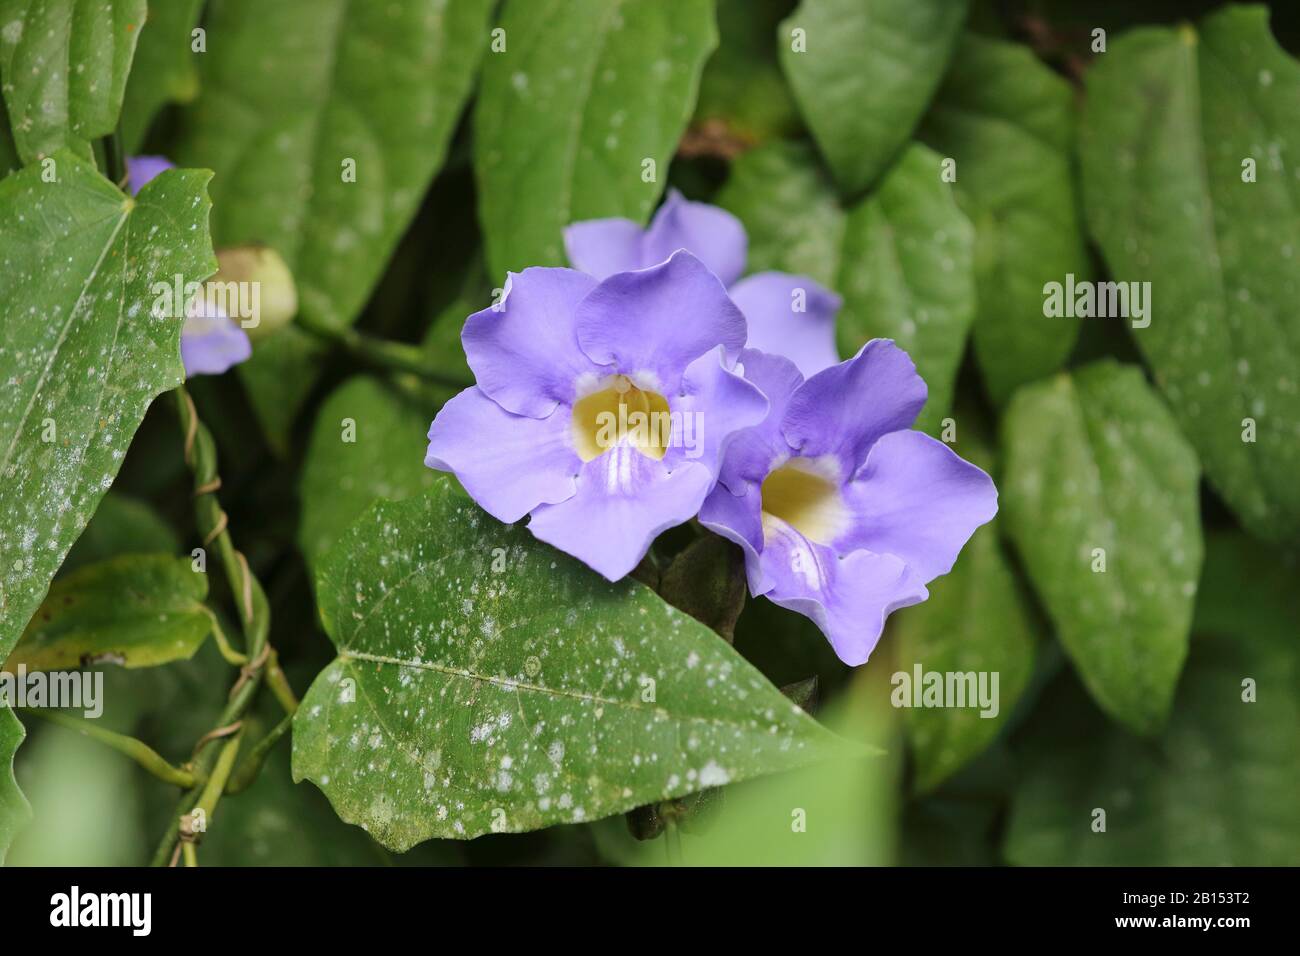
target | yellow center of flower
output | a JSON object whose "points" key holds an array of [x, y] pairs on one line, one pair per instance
{"points": [[799, 495], [621, 412]]}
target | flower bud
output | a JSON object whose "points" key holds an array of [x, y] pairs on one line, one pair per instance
{"points": [[254, 287]]}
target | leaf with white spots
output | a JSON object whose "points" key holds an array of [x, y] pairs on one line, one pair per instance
{"points": [[488, 683], [82, 353], [1172, 117], [863, 71], [1100, 497], [14, 809], [1007, 120], [586, 94], [137, 610], [325, 121], [384, 459], [63, 70]]}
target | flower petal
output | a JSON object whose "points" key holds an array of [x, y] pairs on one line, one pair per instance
{"points": [[602, 247], [756, 451], [711, 234], [844, 409], [738, 518], [847, 597], [806, 337], [657, 321], [624, 501], [210, 342], [508, 463], [917, 499], [141, 169], [715, 404], [523, 350]]}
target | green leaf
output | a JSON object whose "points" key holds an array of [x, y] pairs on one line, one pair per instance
{"points": [[164, 70], [82, 354], [866, 75], [1172, 115], [707, 581], [1217, 789], [136, 610], [902, 258], [790, 211], [15, 812], [907, 273], [341, 479], [1098, 476], [977, 620], [1246, 587], [121, 525], [486, 683], [585, 92], [9, 161], [1008, 122], [294, 90], [63, 69], [742, 86]]}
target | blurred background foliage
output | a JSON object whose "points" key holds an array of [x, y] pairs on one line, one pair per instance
{"points": [[831, 162]]}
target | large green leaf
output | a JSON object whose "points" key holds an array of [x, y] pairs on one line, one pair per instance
{"points": [[907, 273], [1172, 115], [136, 610], [82, 354], [1218, 788], [486, 682], [14, 809], [1008, 122], [903, 258], [385, 459], [585, 92], [63, 69], [164, 70], [866, 75], [976, 621], [1100, 498], [121, 525], [291, 92]]}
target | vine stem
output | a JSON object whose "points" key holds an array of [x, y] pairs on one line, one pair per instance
{"points": [[137, 750], [254, 616], [385, 353]]}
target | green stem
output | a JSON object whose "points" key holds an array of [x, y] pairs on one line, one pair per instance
{"points": [[387, 354], [137, 750], [216, 784], [251, 766]]}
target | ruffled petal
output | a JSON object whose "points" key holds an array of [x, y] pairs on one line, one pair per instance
{"points": [[523, 351], [806, 337], [210, 342], [655, 322], [623, 502], [847, 597], [508, 463], [844, 409], [712, 235], [714, 405], [756, 451], [917, 499], [141, 169], [602, 247]]}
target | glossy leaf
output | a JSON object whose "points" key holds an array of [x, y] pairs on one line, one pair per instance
{"points": [[865, 74], [585, 93], [1007, 121], [487, 683], [82, 353], [1100, 497], [136, 610], [63, 69], [1173, 116], [299, 95]]}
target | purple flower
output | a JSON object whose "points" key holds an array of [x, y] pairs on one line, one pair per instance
{"points": [[845, 514], [602, 409], [787, 314], [210, 342]]}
